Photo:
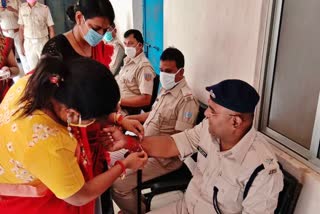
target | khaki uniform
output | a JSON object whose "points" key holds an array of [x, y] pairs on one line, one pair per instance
{"points": [[136, 77], [174, 110], [36, 21], [10, 28], [228, 171]]}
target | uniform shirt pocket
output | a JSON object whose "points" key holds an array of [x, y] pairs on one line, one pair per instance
{"points": [[229, 195]]}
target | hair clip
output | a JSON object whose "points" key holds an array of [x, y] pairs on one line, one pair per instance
{"points": [[55, 79]]}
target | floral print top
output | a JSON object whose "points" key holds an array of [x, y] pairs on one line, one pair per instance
{"points": [[36, 150]]}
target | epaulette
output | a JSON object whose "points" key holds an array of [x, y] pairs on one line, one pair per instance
{"points": [[187, 94]]}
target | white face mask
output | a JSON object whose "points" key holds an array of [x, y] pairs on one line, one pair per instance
{"points": [[131, 51], [168, 80]]}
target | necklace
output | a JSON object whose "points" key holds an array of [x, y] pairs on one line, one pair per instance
{"points": [[80, 47]]}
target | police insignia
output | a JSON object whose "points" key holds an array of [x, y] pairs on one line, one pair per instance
{"points": [[188, 115], [148, 77]]}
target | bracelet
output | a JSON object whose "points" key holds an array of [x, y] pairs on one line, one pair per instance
{"points": [[119, 119], [123, 169]]}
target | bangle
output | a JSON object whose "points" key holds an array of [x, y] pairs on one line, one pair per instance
{"points": [[123, 169], [119, 119]]}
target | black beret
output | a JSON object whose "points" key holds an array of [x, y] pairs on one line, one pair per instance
{"points": [[235, 95]]}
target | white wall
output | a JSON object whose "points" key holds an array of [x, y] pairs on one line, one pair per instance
{"points": [[224, 39], [124, 15], [218, 38]]}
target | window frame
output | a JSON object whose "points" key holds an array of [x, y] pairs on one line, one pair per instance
{"points": [[313, 154]]}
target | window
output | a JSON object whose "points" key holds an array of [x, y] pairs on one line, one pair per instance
{"points": [[291, 104]]}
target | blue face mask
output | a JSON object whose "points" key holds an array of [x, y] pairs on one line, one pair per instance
{"points": [[92, 37], [108, 36]]}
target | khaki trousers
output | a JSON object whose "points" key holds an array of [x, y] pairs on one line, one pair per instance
{"points": [[178, 207], [124, 192], [33, 49]]}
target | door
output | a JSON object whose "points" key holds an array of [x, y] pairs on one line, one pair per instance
{"points": [[153, 31]]}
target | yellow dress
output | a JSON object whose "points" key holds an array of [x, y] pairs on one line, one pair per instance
{"points": [[35, 150]]}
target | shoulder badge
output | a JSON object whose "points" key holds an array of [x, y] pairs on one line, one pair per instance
{"points": [[148, 76]]}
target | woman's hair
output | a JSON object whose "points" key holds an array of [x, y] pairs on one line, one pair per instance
{"points": [[91, 9], [82, 84]]}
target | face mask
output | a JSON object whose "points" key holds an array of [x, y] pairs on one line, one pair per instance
{"points": [[92, 37], [108, 37], [131, 51], [168, 80], [88, 132], [31, 1]]}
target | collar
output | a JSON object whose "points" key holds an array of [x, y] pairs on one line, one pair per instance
{"points": [[240, 150], [175, 90], [135, 60]]}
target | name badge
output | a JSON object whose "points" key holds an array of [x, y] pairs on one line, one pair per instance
{"points": [[202, 151]]}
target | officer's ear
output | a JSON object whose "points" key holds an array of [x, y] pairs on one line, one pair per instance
{"points": [[79, 18], [237, 121]]}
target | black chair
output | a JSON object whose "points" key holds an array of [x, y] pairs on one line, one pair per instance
{"points": [[288, 197]]}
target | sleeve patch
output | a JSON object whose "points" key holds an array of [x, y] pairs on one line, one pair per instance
{"points": [[148, 77], [188, 115]]}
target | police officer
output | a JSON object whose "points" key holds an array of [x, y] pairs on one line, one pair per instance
{"points": [[10, 28], [35, 25], [229, 151], [135, 79], [174, 111]]}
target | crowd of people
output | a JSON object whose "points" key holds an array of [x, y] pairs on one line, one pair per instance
{"points": [[62, 125]]}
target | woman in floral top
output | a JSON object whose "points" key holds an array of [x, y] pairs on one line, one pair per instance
{"points": [[42, 168]]}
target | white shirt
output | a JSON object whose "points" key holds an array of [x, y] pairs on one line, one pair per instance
{"points": [[229, 171]]}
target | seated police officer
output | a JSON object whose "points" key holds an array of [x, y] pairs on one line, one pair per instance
{"points": [[229, 151]]}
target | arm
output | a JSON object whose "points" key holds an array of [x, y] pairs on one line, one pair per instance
{"points": [[12, 64], [160, 146], [127, 123], [50, 24], [11, 9], [21, 33], [66, 179], [99, 184], [140, 117], [51, 32], [136, 101], [263, 194]]}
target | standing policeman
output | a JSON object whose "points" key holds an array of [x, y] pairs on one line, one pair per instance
{"points": [[35, 25]]}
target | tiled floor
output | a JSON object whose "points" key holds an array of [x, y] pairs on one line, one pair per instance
{"points": [[160, 200]]}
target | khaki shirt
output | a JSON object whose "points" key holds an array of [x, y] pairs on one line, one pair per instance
{"points": [[35, 20], [229, 171], [8, 19], [136, 77], [173, 111]]}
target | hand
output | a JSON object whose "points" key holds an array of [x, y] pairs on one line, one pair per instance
{"points": [[136, 160], [133, 126], [5, 69], [11, 9], [116, 140]]}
